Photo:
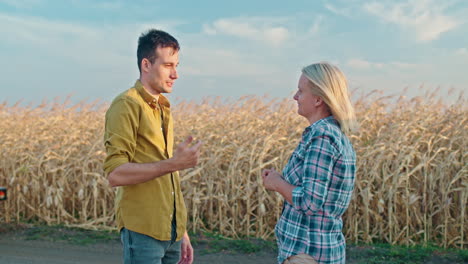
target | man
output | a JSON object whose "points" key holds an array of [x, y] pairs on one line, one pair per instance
{"points": [[150, 209]]}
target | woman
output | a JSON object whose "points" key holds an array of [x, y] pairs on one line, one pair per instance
{"points": [[318, 181]]}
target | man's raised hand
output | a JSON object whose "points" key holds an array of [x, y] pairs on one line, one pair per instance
{"points": [[186, 156]]}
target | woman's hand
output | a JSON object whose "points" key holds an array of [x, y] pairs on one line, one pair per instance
{"points": [[273, 181]]}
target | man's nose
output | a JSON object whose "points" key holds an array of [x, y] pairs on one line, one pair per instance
{"points": [[174, 74]]}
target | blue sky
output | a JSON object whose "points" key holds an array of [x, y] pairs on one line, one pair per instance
{"points": [[87, 48]]}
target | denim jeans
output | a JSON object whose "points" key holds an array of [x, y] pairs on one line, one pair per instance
{"points": [[142, 249]]}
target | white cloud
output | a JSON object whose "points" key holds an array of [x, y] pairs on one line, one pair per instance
{"points": [[276, 35], [426, 18], [316, 25], [363, 64], [339, 11], [209, 61], [235, 28], [105, 55], [208, 29], [39, 30], [462, 51], [368, 65], [23, 4], [88, 45], [231, 55], [404, 65], [258, 29], [106, 5]]}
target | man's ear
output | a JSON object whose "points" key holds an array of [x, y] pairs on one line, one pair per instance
{"points": [[145, 65]]}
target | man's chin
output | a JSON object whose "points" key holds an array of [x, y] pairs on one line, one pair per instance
{"points": [[167, 90]]}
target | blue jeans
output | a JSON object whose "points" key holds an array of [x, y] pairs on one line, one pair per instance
{"points": [[143, 249]]}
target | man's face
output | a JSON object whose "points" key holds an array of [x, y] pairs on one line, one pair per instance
{"points": [[162, 74]]}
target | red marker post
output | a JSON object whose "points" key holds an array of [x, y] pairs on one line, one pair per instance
{"points": [[3, 193]]}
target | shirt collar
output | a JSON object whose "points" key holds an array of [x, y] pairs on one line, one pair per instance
{"points": [[149, 99], [328, 119]]}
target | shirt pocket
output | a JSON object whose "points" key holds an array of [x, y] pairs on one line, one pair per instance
{"points": [[151, 126]]}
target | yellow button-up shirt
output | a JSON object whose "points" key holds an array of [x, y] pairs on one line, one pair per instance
{"points": [[139, 129]]}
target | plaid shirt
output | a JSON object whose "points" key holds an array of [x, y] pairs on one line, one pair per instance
{"points": [[323, 169]]}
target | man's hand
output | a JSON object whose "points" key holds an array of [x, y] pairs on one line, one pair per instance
{"points": [[186, 156], [186, 256]]}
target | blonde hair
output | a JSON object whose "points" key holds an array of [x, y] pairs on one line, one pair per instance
{"points": [[329, 83]]}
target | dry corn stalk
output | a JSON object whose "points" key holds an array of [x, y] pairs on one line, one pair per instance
{"points": [[411, 187]]}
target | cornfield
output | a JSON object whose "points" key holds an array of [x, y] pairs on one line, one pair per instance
{"points": [[411, 186]]}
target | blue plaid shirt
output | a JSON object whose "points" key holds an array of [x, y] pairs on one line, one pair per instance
{"points": [[323, 168]]}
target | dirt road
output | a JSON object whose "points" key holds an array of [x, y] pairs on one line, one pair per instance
{"points": [[35, 252]]}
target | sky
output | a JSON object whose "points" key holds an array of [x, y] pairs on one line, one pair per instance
{"points": [[86, 49]]}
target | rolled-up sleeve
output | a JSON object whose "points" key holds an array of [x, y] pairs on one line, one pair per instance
{"points": [[317, 173], [120, 133]]}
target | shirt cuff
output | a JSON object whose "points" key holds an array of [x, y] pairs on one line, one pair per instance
{"points": [[301, 203], [111, 165]]}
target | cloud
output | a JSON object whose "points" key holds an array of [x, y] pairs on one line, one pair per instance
{"points": [[24, 4], [257, 29], [404, 65], [88, 45], [462, 51], [363, 64], [426, 18], [84, 44], [368, 65], [314, 29], [104, 6], [38, 30], [338, 11], [212, 61], [104, 56]]}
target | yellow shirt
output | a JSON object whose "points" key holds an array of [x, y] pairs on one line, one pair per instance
{"points": [[136, 130]]}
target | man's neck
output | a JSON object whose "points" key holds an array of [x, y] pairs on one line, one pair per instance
{"points": [[147, 88]]}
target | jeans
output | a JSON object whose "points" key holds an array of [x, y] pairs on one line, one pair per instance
{"points": [[143, 249]]}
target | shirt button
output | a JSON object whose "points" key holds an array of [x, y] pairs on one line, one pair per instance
{"points": [[172, 193]]}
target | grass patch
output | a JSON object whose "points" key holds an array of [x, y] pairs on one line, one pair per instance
{"points": [[214, 243], [59, 233], [394, 254], [71, 235]]}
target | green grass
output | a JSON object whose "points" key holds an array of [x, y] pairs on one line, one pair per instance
{"points": [[386, 254], [213, 243], [59, 233], [75, 236]]}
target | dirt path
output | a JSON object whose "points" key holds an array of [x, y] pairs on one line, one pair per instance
{"points": [[22, 252], [17, 251]]}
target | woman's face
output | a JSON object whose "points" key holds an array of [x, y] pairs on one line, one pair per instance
{"points": [[306, 101]]}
